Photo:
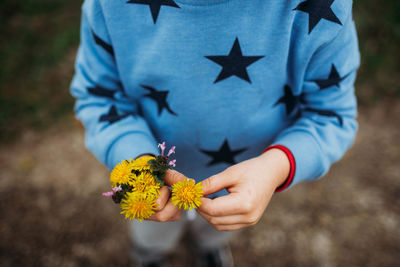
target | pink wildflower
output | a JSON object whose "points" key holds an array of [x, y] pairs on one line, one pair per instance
{"points": [[108, 194], [172, 163], [171, 151], [116, 189], [162, 147]]}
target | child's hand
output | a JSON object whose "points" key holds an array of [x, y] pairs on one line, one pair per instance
{"points": [[166, 211], [251, 184]]}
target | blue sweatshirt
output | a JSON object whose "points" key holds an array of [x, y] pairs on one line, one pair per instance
{"points": [[220, 79]]}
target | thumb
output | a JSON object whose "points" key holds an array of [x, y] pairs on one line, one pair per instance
{"points": [[217, 182], [172, 176]]}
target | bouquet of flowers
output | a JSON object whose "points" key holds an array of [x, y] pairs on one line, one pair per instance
{"points": [[136, 185]]}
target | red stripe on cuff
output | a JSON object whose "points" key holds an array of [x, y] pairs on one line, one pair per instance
{"points": [[292, 162]]}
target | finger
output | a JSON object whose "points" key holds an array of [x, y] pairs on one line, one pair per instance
{"points": [[232, 227], [162, 198], [226, 205], [166, 213], [172, 176], [217, 182], [228, 220], [177, 216]]}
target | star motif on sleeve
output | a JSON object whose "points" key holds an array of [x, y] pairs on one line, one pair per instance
{"points": [[328, 113], [160, 97], [317, 10], [234, 64], [103, 44], [155, 6], [289, 99], [224, 155], [333, 79], [112, 115], [101, 91]]}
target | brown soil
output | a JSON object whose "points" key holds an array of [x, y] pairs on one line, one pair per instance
{"points": [[52, 212]]}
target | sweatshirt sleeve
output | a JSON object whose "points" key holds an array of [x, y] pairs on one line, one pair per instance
{"points": [[113, 129], [327, 124]]}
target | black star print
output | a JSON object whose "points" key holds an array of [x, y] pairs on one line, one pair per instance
{"points": [[291, 101], [101, 91], [121, 88], [317, 10], [224, 154], [103, 44], [112, 115], [333, 79], [234, 63], [161, 99], [328, 113], [155, 6]]}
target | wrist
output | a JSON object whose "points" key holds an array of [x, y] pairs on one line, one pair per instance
{"points": [[281, 166]]}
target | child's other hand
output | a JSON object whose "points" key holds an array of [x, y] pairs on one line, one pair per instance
{"points": [[166, 211], [250, 184]]}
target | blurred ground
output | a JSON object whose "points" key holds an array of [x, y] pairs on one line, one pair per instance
{"points": [[51, 209], [53, 213]]}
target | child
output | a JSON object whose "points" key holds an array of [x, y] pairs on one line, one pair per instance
{"points": [[222, 80]]}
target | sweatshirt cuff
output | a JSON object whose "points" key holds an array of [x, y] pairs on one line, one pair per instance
{"points": [[130, 146], [292, 162]]}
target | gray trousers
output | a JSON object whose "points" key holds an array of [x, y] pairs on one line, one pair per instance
{"points": [[153, 240]]}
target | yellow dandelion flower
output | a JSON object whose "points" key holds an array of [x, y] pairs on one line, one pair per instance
{"points": [[186, 194], [136, 206], [148, 178], [142, 163], [145, 184], [122, 173]]}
